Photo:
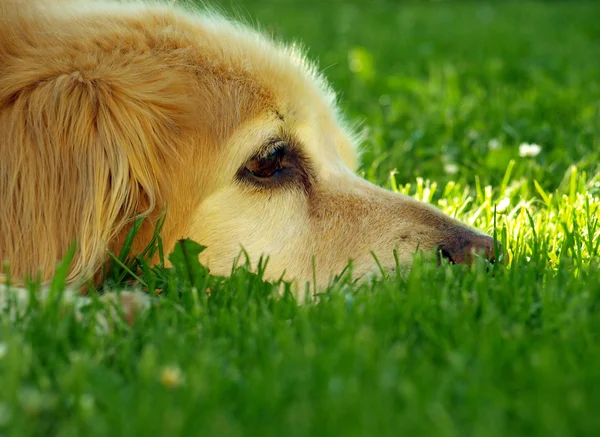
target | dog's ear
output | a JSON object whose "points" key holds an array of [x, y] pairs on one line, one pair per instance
{"points": [[83, 154]]}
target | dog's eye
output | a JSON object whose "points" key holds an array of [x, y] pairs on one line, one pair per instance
{"points": [[267, 165]]}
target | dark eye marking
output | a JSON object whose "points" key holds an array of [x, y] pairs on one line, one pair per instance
{"points": [[267, 165], [281, 163]]}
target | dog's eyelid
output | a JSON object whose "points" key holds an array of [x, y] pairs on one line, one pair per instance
{"points": [[276, 144], [268, 146]]}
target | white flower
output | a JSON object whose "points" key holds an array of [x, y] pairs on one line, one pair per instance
{"points": [[493, 144], [451, 168], [171, 376], [527, 150], [503, 205]]}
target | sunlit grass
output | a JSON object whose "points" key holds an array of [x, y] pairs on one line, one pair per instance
{"points": [[554, 227]]}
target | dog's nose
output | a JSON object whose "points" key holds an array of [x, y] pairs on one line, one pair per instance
{"points": [[461, 247]]}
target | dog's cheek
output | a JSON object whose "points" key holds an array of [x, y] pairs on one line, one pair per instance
{"points": [[273, 224]]}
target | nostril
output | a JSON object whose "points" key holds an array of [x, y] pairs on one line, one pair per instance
{"points": [[462, 248], [442, 253]]}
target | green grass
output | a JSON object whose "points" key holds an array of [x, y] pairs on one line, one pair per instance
{"points": [[449, 351]]}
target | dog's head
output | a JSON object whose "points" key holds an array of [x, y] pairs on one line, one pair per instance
{"points": [[127, 110]]}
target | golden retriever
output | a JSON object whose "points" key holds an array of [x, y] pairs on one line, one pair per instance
{"points": [[110, 111]]}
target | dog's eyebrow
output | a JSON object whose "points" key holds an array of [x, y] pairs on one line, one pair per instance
{"points": [[268, 139]]}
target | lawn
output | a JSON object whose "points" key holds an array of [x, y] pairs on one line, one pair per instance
{"points": [[449, 93]]}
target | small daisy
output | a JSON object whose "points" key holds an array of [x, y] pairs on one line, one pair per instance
{"points": [[527, 150], [503, 205], [493, 144], [171, 377], [451, 168]]}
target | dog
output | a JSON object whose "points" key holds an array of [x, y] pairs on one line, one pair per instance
{"points": [[112, 111]]}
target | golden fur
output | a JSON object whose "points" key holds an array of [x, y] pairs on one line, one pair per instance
{"points": [[110, 111]]}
